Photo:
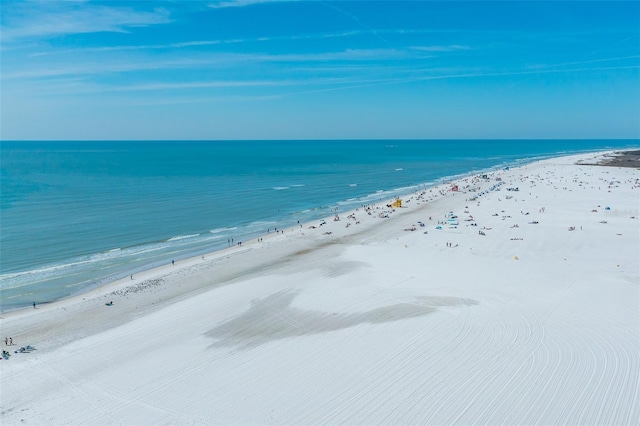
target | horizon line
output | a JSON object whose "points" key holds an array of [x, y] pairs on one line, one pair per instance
{"points": [[317, 139]]}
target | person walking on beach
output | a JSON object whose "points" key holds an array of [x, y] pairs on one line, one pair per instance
{"points": [[34, 305], [173, 262], [6, 341], [10, 341]]}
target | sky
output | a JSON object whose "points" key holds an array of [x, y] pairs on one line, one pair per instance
{"points": [[264, 69]]}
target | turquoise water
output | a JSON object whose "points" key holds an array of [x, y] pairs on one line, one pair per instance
{"points": [[78, 214]]}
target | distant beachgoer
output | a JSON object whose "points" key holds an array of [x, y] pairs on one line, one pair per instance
{"points": [[34, 305], [6, 341], [131, 276], [10, 341], [173, 262]]}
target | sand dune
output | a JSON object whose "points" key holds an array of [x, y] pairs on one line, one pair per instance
{"points": [[525, 312]]}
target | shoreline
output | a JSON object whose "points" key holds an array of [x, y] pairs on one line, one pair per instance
{"points": [[153, 279], [517, 269], [119, 277], [148, 278]]}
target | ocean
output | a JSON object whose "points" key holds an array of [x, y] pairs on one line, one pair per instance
{"points": [[76, 215]]}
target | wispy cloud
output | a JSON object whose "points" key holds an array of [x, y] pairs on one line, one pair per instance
{"points": [[590, 61], [134, 47], [305, 86], [198, 85], [344, 55], [357, 20], [424, 78], [450, 48], [75, 86], [242, 3], [293, 37], [37, 19], [100, 68], [196, 61]]}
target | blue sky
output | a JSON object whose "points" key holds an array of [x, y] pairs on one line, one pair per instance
{"points": [[251, 69]]}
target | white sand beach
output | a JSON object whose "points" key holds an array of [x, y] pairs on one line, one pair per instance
{"points": [[522, 309]]}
